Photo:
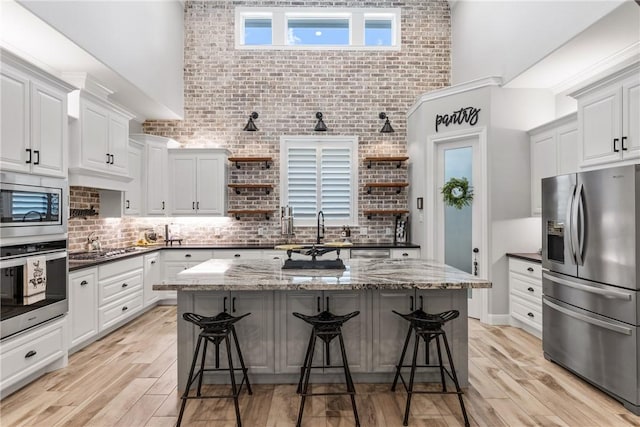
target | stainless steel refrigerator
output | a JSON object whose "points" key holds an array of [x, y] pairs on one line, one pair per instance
{"points": [[590, 251]]}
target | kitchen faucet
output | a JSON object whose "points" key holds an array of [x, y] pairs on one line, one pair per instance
{"points": [[320, 228]]}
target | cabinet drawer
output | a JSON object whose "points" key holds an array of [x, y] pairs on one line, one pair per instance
{"points": [[119, 310], [237, 253], [526, 312], [527, 288], [26, 353], [529, 269], [187, 255], [119, 286], [405, 253], [119, 267]]}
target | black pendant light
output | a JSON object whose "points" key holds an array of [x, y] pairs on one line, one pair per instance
{"points": [[387, 126], [320, 126], [250, 126]]}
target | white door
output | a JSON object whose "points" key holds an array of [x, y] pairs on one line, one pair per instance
{"points": [[14, 116], [210, 185], [119, 144], [95, 137], [631, 118], [459, 230], [182, 184], [133, 193], [48, 130], [156, 178]]}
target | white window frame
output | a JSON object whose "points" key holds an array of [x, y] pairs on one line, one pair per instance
{"points": [[307, 141], [280, 15]]}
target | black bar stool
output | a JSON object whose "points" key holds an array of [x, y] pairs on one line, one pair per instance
{"points": [[215, 330], [428, 327], [326, 326]]}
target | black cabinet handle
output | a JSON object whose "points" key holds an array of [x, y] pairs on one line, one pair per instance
{"points": [[405, 254], [84, 283], [108, 158], [411, 299], [530, 269], [193, 205], [153, 261], [124, 285], [197, 205], [128, 204], [112, 158], [615, 149], [37, 153], [29, 152], [318, 304], [326, 307], [233, 304], [224, 304], [236, 255], [530, 289], [623, 147], [163, 205], [421, 302], [187, 255], [530, 314], [125, 308], [31, 353]]}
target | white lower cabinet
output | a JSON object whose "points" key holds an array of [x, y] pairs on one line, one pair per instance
{"points": [[525, 295], [405, 253], [119, 310], [176, 260], [152, 275], [83, 300], [37, 350]]}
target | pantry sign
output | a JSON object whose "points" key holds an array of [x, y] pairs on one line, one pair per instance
{"points": [[463, 115]]}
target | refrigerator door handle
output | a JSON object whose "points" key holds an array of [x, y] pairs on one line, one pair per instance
{"points": [[573, 243], [581, 225], [588, 319], [575, 240], [591, 289]]}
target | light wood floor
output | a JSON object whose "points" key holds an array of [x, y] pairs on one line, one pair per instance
{"points": [[129, 379]]}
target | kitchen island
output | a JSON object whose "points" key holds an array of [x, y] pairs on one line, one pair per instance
{"points": [[273, 342]]}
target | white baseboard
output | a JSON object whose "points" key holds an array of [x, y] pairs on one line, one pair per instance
{"points": [[498, 319]]}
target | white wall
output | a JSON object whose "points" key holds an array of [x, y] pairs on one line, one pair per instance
{"points": [[504, 38], [140, 40]]}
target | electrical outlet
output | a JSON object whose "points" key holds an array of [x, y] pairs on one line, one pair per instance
{"points": [[262, 231], [364, 231], [387, 231]]}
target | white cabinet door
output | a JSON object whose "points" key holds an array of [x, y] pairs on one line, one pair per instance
{"points": [[210, 184], [599, 115], [255, 332], [152, 275], [388, 327], [14, 116], [567, 148], [183, 184], [94, 136], [631, 118], [156, 178], [118, 144], [48, 130], [543, 165], [83, 303], [133, 201]]}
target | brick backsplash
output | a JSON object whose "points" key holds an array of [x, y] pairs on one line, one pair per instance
{"points": [[287, 87]]}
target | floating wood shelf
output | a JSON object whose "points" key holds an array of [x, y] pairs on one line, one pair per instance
{"points": [[238, 187], [398, 185], [398, 159], [238, 212], [395, 212], [237, 160]]}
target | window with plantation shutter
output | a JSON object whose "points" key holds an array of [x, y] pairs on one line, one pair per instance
{"points": [[320, 174]]}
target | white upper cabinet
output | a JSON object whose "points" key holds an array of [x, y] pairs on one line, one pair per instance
{"points": [[133, 196], [609, 119], [198, 181], [33, 114], [99, 154], [553, 152], [154, 184]]}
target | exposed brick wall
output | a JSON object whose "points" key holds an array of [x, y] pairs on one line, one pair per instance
{"points": [[223, 86]]}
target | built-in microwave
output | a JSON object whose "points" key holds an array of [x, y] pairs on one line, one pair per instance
{"points": [[32, 205]]}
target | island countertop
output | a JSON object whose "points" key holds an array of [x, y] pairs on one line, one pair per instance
{"points": [[239, 275]]}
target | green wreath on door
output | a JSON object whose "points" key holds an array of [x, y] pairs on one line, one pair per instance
{"points": [[457, 193]]}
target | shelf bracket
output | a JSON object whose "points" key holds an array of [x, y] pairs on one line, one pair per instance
{"points": [[266, 216], [237, 216], [369, 165], [369, 216], [267, 191], [399, 164], [237, 165], [398, 190], [368, 190], [267, 165], [237, 191]]}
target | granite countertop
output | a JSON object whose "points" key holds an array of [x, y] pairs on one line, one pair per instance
{"points": [[226, 275], [533, 257], [141, 250]]}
